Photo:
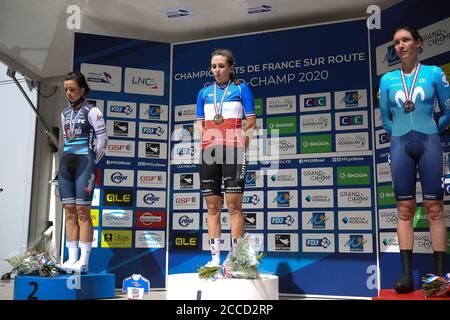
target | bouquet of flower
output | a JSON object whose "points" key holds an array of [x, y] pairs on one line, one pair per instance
{"points": [[38, 261], [434, 286], [242, 263]]}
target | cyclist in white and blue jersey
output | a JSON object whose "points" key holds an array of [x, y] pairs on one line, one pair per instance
{"points": [[77, 170], [220, 109], [406, 99]]}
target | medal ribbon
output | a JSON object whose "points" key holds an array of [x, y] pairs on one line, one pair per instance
{"points": [[218, 110], [405, 88], [72, 123]]}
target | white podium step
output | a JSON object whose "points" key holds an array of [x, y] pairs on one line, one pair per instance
{"points": [[188, 286]]}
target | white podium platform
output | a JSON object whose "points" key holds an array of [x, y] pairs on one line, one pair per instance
{"points": [[188, 286]]}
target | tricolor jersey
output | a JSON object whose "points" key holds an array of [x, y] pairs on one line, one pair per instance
{"points": [[431, 82], [237, 103], [87, 121], [140, 282]]}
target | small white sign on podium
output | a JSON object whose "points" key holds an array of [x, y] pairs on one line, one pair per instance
{"points": [[188, 286]]}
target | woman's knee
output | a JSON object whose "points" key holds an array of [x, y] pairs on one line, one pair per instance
{"points": [[70, 212], [405, 212], [84, 214], [434, 210]]}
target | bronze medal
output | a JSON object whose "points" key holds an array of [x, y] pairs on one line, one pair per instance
{"points": [[218, 118]]}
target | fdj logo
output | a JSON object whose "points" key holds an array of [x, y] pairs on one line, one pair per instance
{"points": [[324, 242], [254, 199], [186, 151], [391, 56], [158, 131], [153, 112], [318, 220], [315, 102], [122, 109], [283, 220], [250, 179], [356, 242], [283, 199], [351, 98], [351, 120]]}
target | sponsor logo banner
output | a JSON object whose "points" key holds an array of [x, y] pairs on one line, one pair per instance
{"points": [[120, 148], [151, 179], [350, 99], [355, 243], [422, 242], [254, 220], [360, 197], [317, 198], [282, 199], [121, 128], [286, 145], [351, 120], [258, 103], [389, 242], [352, 141], [185, 241], [315, 144], [186, 181], [281, 105], [377, 118], [224, 221], [252, 200], [317, 220], [317, 176], [387, 218], [355, 220], [386, 195], [282, 178], [354, 175], [95, 239], [144, 81], [152, 150], [116, 238], [254, 179], [186, 221], [315, 122], [95, 217], [150, 239], [281, 125], [151, 199], [121, 109], [185, 113], [117, 218], [225, 242], [155, 131], [384, 172], [182, 201], [102, 77], [382, 139], [156, 112], [282, 220], [150, 219], [118, 178], [117, 198], [318, 242], [282, 242], [315, 102], [96, 198]]}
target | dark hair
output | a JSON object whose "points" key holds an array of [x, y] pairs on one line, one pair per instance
{"points": [[414, 33], [230, 60], [79, 78]]}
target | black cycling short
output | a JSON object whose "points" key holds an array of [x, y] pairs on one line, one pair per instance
{"points": [[222, 162]]}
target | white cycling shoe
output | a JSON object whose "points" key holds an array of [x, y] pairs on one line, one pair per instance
{"points": [[77, 267], [212, 264]]}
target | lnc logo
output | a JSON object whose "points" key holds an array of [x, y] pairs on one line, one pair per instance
{"points": [[356, 242], [145, 81], [391, 56]]}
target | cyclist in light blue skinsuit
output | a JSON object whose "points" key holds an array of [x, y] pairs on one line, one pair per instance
{"points": [[407, 98]]}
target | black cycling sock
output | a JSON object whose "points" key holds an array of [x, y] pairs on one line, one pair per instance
{"points": [[439, 258], [405, 283]]}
